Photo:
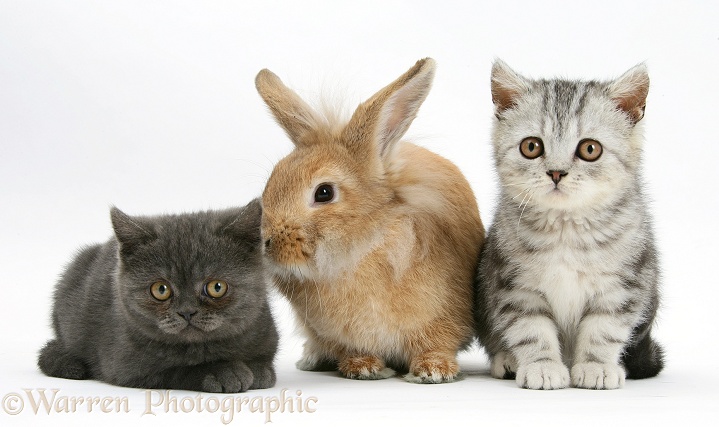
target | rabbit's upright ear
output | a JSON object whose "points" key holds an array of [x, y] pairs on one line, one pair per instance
{"points": [[291, 112], [384, 118]]}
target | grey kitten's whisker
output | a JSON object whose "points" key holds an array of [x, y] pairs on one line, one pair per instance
{"points": [[297, 268]]}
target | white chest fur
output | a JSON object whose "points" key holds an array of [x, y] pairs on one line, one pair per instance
{"points": [[572, 272]]}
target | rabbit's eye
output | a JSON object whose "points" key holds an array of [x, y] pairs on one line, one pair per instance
{"points": [[324, 193]]}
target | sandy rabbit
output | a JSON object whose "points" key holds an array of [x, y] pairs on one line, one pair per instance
{"points": [[373, 240]]}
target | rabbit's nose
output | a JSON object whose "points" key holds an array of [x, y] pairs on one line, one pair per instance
{"points": [[268, 243]]}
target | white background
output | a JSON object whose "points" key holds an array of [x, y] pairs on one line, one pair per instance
{"points": [[151, 106]]}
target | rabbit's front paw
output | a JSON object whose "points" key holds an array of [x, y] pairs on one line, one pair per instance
{"points": [[364, 368], [316, 364], [433, 368]]}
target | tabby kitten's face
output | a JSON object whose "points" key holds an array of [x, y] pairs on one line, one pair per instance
{"points": [[194, 278], [567, 145]]}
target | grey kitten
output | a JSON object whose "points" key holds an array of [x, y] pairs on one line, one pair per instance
{"points": [[175, 301], [568, 275]]}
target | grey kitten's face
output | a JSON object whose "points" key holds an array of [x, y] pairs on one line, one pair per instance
{"points": [[191, 277], [562, 144]]}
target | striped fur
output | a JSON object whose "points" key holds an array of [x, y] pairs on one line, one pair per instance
{"points": [[567, 286]]}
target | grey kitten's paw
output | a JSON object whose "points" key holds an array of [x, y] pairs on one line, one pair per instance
{"points": [[264, 376], [227, 378], [545, 375], [54, 361], [598, 376]]}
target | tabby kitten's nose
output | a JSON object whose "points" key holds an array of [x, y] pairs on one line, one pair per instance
{"points": [[186, 314], [557, 175]]}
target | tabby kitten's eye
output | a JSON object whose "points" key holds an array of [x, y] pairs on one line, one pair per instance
{"points": [[216, 288], [531, 147], [589, 150], [161, 291]]}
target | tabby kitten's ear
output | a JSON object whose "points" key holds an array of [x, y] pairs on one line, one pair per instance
{"points": [[244, 224], [507, 86], [130, 232], [630, 91]]}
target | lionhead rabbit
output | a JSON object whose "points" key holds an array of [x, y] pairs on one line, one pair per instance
{"points": [[374, 241]]}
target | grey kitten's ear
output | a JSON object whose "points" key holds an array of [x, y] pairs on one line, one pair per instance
{"points": [[129, 231], [507, 86], [244, 223], [630, 91]]}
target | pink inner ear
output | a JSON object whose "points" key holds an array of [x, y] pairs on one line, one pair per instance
{"points": [[629, 92], [633, 104], [394, 121], [398, 113], [502, 97]]}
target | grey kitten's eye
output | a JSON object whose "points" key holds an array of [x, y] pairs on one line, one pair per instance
{"points": [[161, 291], [531, 147], [589, 150], [216, 288], [324, 193]]}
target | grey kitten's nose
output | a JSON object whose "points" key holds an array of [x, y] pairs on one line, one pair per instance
{"points": [[557, 175], [186, 314]]}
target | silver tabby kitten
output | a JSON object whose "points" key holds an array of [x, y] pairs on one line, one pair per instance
{"points": [[567, 282]]}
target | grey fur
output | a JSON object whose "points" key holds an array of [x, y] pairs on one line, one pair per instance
{"points": [[568, 276], [109, 327]]}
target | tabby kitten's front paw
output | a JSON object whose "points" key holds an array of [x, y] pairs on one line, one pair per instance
{"points": [[549, 375], [598, 376], [503, 366], [227, 378]]}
